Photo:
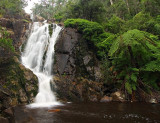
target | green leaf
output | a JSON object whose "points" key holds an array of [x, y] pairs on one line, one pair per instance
{"points": [[134, 87], [134, 77], [128, 87]]}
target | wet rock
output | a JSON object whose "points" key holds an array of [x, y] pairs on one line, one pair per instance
{"points": [[9, 111], [14, 78], [62, 62], [14, 102], [153, 101], [23, 97], [3, 120], [61, 24], [93, 98], [86, 59], [118, 96], [81, 89], [17, 28], [4, 22], [73, 56], [77, 68], [38, 19], [18, 85], [66, 43], [106, 99]]}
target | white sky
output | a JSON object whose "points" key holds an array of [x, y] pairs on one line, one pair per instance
{"points": [[30, 5]]}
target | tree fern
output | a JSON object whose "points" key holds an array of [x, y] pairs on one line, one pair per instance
{"points": [[133, 54]]}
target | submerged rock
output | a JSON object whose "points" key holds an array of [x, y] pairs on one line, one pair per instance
{"points": [[118, 96], [54, 110], [153, 100], [106, 99]]}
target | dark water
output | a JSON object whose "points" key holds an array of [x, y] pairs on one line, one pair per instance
{"points": [[91, 113]]}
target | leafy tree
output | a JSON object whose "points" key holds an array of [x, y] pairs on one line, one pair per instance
{"points": [[134, 55], [114, 25], [151, 6], [93, 33], [11, 7]]}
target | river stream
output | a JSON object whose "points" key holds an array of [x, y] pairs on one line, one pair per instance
{"points": [[90, 113]]}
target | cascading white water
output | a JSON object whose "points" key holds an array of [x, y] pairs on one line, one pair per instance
{"points": [[38, 57]]}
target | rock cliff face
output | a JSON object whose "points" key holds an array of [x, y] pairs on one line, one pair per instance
{"points": [[76, 68], [17, 29], [18, 85]]}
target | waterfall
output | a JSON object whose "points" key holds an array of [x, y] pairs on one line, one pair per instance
{"points": [[38, 56]]}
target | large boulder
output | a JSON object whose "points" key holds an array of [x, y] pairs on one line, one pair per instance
{"points": [[37, 18], [18, 85], [106, 99], [77, 70], [80, 89], [118, 96], [73, 56]]}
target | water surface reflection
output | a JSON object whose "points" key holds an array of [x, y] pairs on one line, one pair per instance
{"points": [[91, 113]]}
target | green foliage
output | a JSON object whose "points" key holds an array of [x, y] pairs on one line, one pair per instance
{"points": [[152, 6], [50, 9], [50, 29], [92, 10], [59, 17], [133, 54], [11, 7], [140, 21], [128, 87], [93, 33], [143, 21], [125, 39], [114, 25], [5, 41]]}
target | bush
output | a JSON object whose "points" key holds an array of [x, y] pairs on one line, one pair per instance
{"points": [[144, 22], [134, 55], [114, 25]]}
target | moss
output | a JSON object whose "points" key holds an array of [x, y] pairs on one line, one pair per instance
{"points": [[26, 21], [97, 39], [5, 41], [14, 80], [50, 29]]}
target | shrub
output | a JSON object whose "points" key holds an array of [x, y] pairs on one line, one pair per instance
{"points": [[5, 41], [114, 25], [93, 33], [134, 55]]}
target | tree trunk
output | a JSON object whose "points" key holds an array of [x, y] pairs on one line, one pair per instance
{"points": [[111, 1], [133, 61], [127, 6]]}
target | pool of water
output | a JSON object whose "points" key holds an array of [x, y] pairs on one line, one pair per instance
{"points": [[90, 113]]}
